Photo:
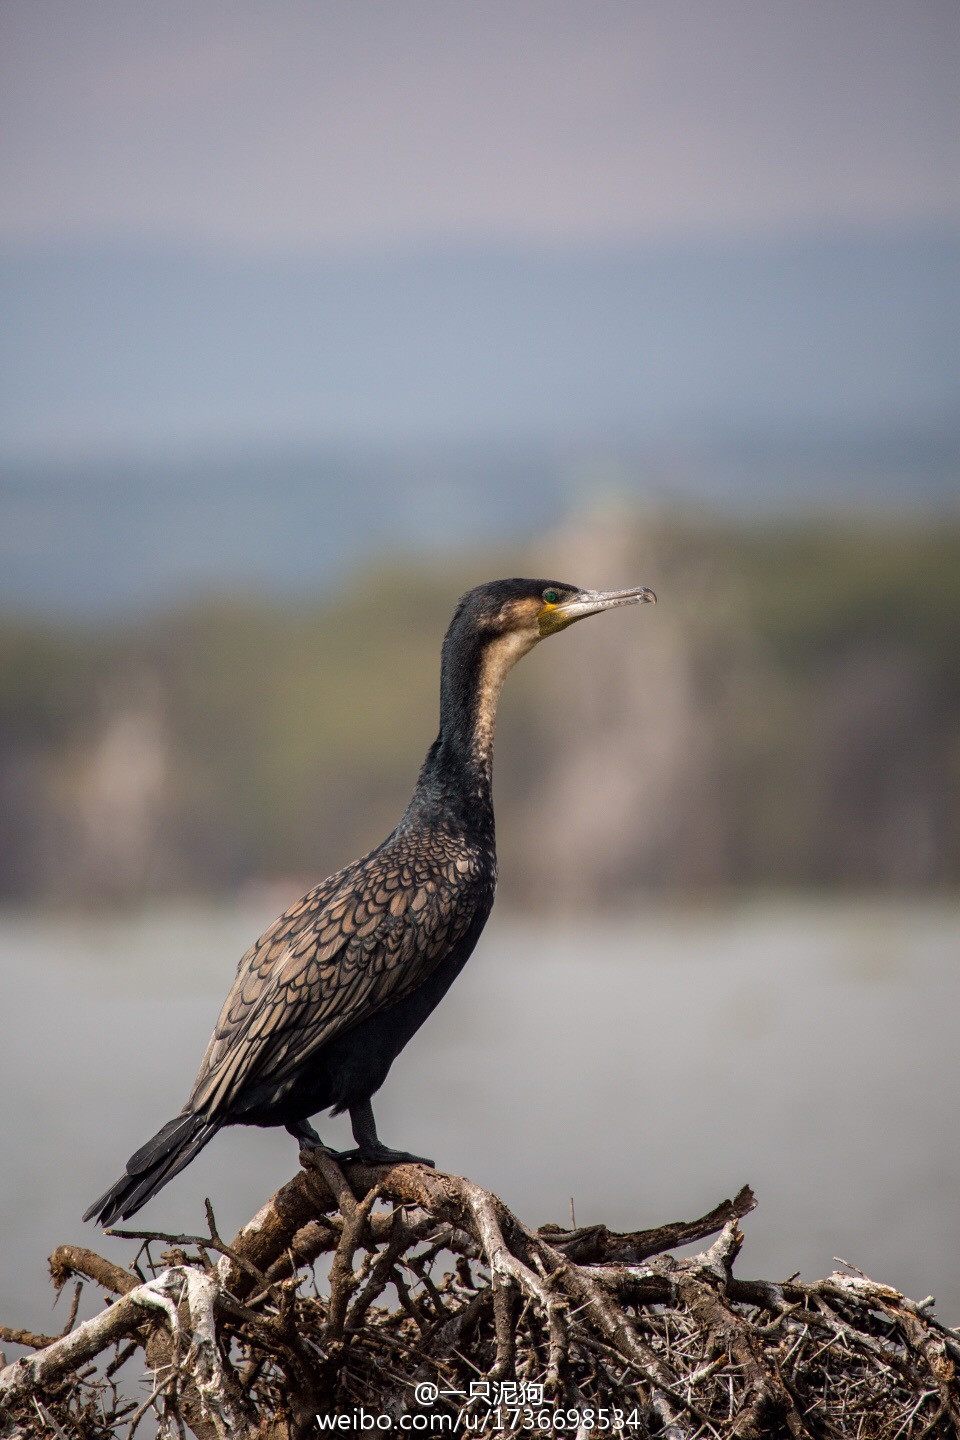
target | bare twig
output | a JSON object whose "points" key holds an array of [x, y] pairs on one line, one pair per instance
{"points": [[452, 1289]]}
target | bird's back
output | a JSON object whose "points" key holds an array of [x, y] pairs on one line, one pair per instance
{"points": [[358, 943]]}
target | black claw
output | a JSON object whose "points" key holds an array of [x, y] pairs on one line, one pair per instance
{"points": [[382, 1155], [345, 1157]]}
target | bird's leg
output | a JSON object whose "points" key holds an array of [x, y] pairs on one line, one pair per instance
{"points": [[303, 1131], [370, 1149]]}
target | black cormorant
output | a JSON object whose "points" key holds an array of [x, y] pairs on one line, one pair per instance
{"points": [[327, 998]]}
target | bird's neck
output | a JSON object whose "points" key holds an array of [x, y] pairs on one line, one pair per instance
{"points": [[457, 775]]}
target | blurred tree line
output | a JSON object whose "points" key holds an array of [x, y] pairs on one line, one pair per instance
{"points": [[788, 716]]}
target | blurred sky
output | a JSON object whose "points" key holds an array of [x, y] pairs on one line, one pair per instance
{"points": [[252, 230], [305, 123]]}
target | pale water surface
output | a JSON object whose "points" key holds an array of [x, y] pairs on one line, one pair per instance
{"points": [[647, 1068]]}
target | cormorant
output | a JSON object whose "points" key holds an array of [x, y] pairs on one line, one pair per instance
{"points": [[327, 998]]}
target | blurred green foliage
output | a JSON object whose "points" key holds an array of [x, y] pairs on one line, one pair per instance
{"points": [[815, 591], [233, 738]]}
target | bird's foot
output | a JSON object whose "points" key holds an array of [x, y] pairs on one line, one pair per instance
{"points": [[308, 1138], [380, 1155]]}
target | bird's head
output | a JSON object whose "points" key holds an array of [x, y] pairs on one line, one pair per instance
{"points": [[506, 618], [495, 625], [532, 609]]}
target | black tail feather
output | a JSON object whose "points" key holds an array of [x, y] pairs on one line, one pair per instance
{"points": [[152, 1166]]}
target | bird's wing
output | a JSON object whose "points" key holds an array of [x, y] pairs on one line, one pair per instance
{"points": [[363, 939]]}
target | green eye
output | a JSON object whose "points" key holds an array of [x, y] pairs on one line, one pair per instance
{"points": [[551, 596]]}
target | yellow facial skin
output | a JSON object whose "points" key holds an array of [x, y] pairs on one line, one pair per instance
{"points": [[551, 619]]}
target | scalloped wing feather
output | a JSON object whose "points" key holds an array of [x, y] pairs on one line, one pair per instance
{"points": [[361, 940]]}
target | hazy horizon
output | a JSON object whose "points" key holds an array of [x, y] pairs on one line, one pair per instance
{"points": [[377, 224]]}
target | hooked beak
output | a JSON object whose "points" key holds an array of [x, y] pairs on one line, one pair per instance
{"points": [[590, 602]]}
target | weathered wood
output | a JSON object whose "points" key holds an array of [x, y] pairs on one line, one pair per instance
{"points": [[591, 1319]]}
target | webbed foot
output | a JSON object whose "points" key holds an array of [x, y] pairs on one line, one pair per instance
{"points": [[370, 1149], [381, 1155]]}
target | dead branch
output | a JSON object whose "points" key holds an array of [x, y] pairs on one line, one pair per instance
{"points": [[437, 1297]]}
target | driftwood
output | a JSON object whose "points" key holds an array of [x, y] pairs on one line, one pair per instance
{"points": [[435, 1309]]}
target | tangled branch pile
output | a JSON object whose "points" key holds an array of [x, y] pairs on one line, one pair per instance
{"points": [[441, 1311]]}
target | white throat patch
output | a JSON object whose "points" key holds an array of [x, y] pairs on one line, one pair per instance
{"points": [[499, 659]]}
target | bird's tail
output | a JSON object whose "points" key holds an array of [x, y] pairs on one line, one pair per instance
{"points": [[153, 1165]]}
